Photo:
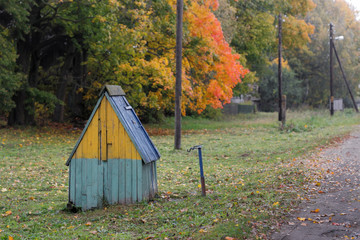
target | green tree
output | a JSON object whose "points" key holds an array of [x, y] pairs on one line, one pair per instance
{"points": [[312, 65], [268, 89], [10, 81]]}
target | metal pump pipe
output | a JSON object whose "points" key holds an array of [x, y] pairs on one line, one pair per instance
{"points": [[202, 178]]}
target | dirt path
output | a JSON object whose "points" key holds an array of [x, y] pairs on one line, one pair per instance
{"points": [[333, 212]]}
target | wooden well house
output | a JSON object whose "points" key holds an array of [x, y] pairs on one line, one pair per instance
{"points": [[114, 160]]}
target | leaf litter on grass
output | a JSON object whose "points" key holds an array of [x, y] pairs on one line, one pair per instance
{"points": [[251, 178]]}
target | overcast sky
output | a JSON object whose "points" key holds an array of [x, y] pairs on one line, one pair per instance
{"points": [[356, 4]]}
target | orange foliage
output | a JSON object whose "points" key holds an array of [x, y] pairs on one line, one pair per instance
{"points": [[210, 68], [215, 56]]}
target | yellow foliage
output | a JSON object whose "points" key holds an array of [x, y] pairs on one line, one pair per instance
{"points": [[284, 63]]}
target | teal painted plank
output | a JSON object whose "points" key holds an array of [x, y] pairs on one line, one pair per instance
{"points": [[128, 181], [114, 180], [155, 174], [100, 182], [107, 181], [83, 184], [106, 194], [72, 176], [151, 181], [134, 180], [122, 180], [145, 181], [91, 185], [139, 180], [78, 183]]}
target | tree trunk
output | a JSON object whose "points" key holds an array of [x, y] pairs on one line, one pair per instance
{"points": [[75, 98], [28, 62], [17, 115], [65, 76]]}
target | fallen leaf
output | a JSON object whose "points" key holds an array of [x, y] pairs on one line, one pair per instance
{"points": [[88, 224], [93, 232], [303, 224], [11, 238], [336, 224], [315, 211], [301, 219], [202, 231], [275, 203], [291, 223], [7, 213], [3, 190], [184, 210]]}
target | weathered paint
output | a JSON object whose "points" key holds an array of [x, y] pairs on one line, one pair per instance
{"points": [[106, 137], [114, 159], [86, 185], [95, 182], [134, 128]]}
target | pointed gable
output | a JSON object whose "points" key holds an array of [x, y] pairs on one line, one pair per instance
{"points": [[114, 131]]}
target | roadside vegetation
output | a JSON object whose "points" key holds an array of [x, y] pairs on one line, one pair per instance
{"points": [[253, 174]]}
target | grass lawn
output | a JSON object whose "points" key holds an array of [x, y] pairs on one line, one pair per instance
{"points": [[252, 172]]}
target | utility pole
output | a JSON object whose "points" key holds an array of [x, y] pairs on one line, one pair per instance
{"points": [[178, 90], [280, 69], [346, 82], [331, 70]]}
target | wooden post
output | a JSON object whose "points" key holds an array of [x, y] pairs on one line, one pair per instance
{"points": [[178, 89], [346, 82], [280, 67], [331, 71], [283, 112]]}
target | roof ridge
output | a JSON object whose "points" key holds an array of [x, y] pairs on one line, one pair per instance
{"points": [[112, 90]]}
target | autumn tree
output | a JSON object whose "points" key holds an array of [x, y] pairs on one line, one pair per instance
{"points": [[312, 65], [211, 69], [66, 50], [256, 33]]}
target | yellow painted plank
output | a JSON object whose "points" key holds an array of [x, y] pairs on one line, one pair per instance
{"points": [[106, 137], [112, 131], [125, 140], [88, 145], [103, 129], [120, 142]]}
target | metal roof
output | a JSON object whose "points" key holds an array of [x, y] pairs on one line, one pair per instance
{"points": [[134, 128], [130, 122]]}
